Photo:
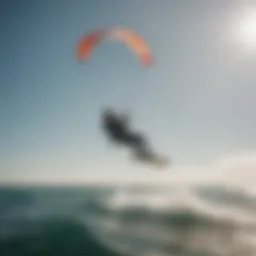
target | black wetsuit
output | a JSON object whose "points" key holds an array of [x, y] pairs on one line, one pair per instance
{"points": [[118, 129]]}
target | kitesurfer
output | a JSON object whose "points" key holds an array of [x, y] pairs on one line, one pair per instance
{"points": [[117, 127]]}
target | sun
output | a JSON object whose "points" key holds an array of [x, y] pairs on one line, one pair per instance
{"points": [[247, 29]]}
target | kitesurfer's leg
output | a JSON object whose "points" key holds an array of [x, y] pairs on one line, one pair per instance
{"points": [[136, 140], [149, 156]]}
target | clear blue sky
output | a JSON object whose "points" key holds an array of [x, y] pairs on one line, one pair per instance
{"points": [[196, 103]]}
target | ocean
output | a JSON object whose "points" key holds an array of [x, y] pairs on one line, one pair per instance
{"points": [[128, 220]]}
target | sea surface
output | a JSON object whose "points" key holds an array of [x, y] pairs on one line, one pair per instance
{"points": [[131, 220]]}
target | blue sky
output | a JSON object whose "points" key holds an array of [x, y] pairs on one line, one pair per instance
{"points": [[196, 103]]}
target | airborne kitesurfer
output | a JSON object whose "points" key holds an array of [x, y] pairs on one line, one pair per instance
{"points": [[117, 127]]}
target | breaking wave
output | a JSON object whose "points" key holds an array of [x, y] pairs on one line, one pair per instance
{"points": [[203, 220]]}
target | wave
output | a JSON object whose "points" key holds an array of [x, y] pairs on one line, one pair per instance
{"points": [[224, 196], [131, 220], [170, 220]]}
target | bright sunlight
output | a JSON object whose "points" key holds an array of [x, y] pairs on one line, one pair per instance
{"points": [[247, 29]]}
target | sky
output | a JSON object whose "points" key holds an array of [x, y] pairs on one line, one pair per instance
{"points": [[196, 103]]}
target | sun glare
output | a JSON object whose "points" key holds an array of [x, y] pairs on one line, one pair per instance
{"points": [[247, 29]]}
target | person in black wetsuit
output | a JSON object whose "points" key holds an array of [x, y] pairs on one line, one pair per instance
{"points": [[118, 129]]}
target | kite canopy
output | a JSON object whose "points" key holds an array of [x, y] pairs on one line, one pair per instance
{"points": [[139, 46]]}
